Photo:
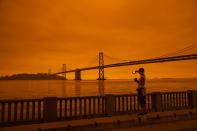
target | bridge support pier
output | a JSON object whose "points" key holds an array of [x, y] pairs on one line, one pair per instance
{"points": [[101, 67], [64, 69], [78, 74]]}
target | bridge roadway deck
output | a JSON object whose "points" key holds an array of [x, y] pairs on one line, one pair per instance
{"points": [[111, 123], [147, 61]]}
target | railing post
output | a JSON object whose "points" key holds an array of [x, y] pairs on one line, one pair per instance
{"points": [[50, 109], [78, 74], [192, 98], [156, 101], [109, 104]]}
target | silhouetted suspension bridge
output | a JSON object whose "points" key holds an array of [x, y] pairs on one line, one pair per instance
{"points": [[101, 65]]}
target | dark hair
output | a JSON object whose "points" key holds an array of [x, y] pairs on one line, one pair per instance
{"points": [[141, 69]]}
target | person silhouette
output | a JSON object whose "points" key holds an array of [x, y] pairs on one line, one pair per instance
{"points": [[141, 90]]}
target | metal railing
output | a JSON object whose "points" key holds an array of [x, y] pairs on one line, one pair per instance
{"points": [[13, 111], [175, 100], [129, 103], [55, 109], [73, 107]]}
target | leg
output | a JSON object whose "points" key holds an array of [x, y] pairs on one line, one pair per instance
{"points": [[144, 105], [141, 103]]}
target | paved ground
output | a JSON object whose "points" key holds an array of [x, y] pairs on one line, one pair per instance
{"points": [[189, 125], [104, 123]]}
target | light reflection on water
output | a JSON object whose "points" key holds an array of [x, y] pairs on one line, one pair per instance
{"points": [[28, 89]]}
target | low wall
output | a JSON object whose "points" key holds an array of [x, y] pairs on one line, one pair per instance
{"points": [[57, 109]]}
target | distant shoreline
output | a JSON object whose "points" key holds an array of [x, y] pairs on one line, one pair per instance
{"points": [[45, 76], [39, 76], [56, 77]]}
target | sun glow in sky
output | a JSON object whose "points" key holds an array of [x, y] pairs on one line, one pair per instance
{"points": [[36, 35]]}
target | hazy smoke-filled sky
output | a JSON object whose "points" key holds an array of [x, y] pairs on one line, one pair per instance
{"points": [[36, 35]]}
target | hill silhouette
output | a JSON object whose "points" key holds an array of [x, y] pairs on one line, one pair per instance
{"points": [[39, 76]]}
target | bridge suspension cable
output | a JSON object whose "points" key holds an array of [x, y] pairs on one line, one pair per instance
{"points": [[110, 57], [91, 61], [185, 49], [188, 48]]}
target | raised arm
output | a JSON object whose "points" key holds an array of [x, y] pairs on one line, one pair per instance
{"points": [[136, 80]]}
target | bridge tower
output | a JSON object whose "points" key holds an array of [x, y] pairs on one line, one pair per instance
{"points": [[78, 74], [49, 71], [63, 70], [101, 66]]}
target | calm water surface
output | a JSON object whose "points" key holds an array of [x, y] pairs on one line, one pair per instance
{"points": [[27, 89]]}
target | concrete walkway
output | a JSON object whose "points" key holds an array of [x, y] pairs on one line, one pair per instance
{"points": [[109, 123], [189, 125]]}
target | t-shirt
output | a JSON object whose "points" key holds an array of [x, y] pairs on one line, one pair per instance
{"points": [[141, 84], [141, 81]]}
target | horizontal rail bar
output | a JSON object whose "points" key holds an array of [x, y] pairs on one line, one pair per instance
{"points": [[21, 100], [82, 97]]}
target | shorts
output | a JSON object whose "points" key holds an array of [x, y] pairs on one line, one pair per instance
{"points": [[142, 100]]}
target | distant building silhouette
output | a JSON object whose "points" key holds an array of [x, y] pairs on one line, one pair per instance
{"points": [[49, 71]]}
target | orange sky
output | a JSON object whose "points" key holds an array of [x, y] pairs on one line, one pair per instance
{"points": [[39, 34]]}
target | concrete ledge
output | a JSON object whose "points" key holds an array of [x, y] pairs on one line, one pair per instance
{"points": [[143, 121], [113, 122]]}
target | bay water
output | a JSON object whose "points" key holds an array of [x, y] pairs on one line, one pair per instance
{"points": [[33, 89]]}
